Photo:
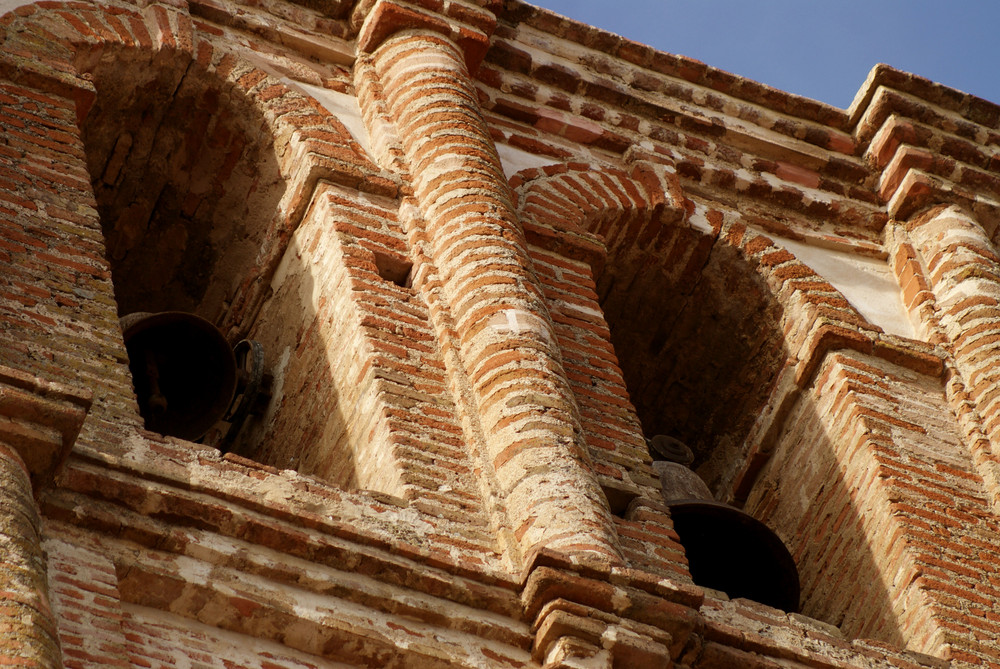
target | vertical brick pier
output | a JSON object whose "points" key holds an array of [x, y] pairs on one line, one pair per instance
{"points": [[507, 350], [39, 422]]}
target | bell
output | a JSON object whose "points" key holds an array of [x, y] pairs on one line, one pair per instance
{"points": [[183, 370], [727, 549]]}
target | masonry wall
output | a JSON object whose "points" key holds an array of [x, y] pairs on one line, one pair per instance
{"points": [[59, 310], [489, 252], [905, 459]]}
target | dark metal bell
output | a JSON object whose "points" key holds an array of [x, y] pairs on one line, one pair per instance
{"points": [[727, 549], [730, 550], [183, 370]]}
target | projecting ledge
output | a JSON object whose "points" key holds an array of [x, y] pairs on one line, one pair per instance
{"points": [[40, 420]]}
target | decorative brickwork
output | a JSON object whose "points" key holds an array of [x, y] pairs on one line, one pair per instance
{"points": [[488, 254]]}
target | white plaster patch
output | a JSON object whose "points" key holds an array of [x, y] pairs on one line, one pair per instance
{"points": [[699, 219], [569, 307], [514, 160], [620, 601], [517, 321], [426, 61], [867, 283], [344, 107], [10, 5], [193, 571]]}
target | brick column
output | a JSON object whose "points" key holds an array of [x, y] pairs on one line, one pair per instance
{"points": [[506, 348], [962, 271], [39, 422], [27, 626]]}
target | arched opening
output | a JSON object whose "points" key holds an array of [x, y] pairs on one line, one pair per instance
{"points": [[715, 330], [696, 329], [697, 334], [186, 181], [188, 160], [188, 188]]}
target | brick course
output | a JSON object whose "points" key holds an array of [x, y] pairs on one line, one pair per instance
{"points": [[489, 252]]}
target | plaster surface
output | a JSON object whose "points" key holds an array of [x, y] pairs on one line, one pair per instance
{"points": [[867, 283]]}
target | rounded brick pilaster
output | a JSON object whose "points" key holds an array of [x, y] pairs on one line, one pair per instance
{"points": [[27, 626], [963, 273], [507, 348]]}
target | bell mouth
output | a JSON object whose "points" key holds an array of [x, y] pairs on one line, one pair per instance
{"points": [[183, 371], [730, 550]]}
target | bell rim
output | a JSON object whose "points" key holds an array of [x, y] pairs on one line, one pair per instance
{"points": [[775, 547], [138, 322]]}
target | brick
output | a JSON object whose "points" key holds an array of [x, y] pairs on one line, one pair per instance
{"points": [[419, 464]]}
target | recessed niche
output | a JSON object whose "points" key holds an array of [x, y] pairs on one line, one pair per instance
{"points": [[393, 268]]}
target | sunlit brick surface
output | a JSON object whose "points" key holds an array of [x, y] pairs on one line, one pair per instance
{"points": [[488, 252]]}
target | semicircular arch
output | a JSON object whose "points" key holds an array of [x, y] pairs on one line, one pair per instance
{"points": [[705, 313]]}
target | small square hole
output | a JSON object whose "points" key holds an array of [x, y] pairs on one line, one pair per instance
{"points": [[393, 268]]}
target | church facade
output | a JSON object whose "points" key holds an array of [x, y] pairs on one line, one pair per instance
{"points": [[480, 274]]}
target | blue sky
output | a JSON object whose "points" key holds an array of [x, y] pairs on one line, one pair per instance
{"points": [[822, 49]]}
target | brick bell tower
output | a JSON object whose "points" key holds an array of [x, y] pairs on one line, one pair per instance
{"points": [[517, 315]]}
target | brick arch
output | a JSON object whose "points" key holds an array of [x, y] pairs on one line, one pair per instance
{"points": [[608, 218], [644, 239], [63, 40], [582, 200], [58, 45]]}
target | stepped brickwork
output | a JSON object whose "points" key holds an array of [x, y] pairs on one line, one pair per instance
{"points": [[488, 253]]}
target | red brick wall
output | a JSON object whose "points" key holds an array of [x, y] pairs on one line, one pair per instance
{"points": [[436, 447], [885, 509], [611, 427], [85, 598], [56, 299], [159, 640], [360, 397], [518, 409]]}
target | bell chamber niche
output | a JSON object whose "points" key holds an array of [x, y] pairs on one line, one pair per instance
{"points": [[187, 185], [699, 366], [194, 210]]}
